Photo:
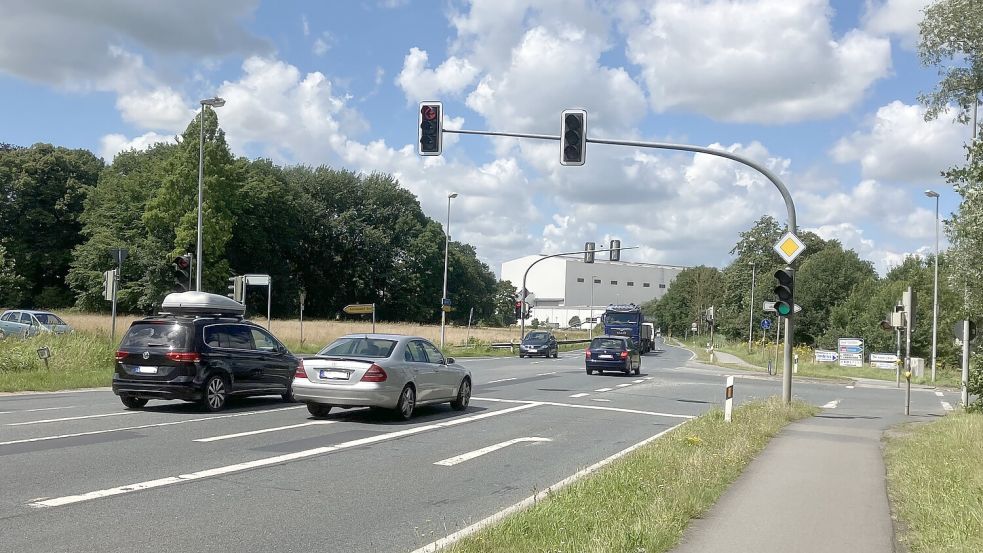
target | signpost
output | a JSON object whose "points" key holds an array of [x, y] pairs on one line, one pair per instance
{"points": [[765, 324], [361, 309], [769, 307], [789, 247], [261, 280], [826, 356], [883, 360], [303, 296], [851, 352], [965, 332]]}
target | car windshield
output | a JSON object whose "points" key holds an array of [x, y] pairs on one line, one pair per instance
{"points": [[536, 337], [156, 335], [360, 346], [48, 319], [621, 318], [607, 343]]}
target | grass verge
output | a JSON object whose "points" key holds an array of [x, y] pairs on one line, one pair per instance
{"points": [[645, 500], [935, 482], [78, 360]]}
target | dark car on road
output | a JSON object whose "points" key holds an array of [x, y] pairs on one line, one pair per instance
{"points": [[200, 349], [539, 342], [613, 353]]}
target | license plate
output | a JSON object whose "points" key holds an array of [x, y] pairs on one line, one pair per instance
{"points": [[606, 356], [335, 375], [147, 370]]}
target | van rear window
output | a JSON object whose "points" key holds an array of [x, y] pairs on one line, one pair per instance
{"points": [[156, 335], [607, 343]]}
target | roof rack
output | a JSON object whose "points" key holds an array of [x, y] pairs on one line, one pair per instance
{"points": [[201, 303]]}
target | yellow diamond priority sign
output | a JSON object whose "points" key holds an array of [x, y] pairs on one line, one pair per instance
{"points": [[789, 247]]}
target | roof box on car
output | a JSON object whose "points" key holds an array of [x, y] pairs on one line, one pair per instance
{"points": [[201, 303]]}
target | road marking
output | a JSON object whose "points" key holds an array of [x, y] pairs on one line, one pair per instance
{"points": [[74, 418], [142, 426], [500, 380], [536, 362], [578, 406], [623, 385], [544, 374], [648, 378], [580, 394], [832, 404], [267, 461], [451, 461], [940, 394], [849, 387], [947, 406], [639, 381], [599, 399], [263, 431], [38, 409], [533, 499], [603, 389]]}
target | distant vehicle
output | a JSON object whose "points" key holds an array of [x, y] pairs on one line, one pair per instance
{"points": [[613, 353], [627, 320], [648, 329], [388, 371], [200, 349], [539, 342], [25, 323]]}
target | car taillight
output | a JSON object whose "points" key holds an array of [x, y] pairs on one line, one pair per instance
{"points": [[301, 371], [121, 355], [624, 355], [186, 356], [374, 374], [587, 353]]}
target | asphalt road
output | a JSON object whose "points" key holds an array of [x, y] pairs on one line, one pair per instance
{"points": [[79, 473]]}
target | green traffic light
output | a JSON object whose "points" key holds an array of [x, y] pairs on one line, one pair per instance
{"points": [[783, 308]]}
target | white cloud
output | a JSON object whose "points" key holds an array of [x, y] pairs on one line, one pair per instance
{"points": [[162, 108], [895, 17], [112, 144], [323, 43], [899, 145], [759, 61], [422, 83], [305, 25]]}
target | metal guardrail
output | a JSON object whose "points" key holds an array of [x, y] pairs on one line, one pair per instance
{"points": [[513, 345]]}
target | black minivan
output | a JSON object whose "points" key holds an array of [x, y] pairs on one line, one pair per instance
{"points": [[192, 355]]}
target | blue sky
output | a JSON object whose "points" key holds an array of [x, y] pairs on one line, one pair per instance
{"points": [[823, 92]]}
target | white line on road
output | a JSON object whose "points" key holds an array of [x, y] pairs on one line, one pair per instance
{"points": [[38, 409], [940, 394], [947, 406], [501, 380], [451, 461], [603, 389], [623, 385], [599, 399], [582, 394], [74, 418], [577, 406], [648, 378], [267, 461], [532, 500], [639, 381], [832, 404], [142, 426], [263, 431], [544, 374], [849, 387]]}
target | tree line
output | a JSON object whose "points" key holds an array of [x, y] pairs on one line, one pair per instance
{"points": [[342, 237]]}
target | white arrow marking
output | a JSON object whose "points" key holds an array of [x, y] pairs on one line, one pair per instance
{"points": [[479, 452]]}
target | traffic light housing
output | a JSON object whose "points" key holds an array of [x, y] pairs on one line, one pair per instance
{"points": [[182, 272], [573, 136], [528, 312], [237, 288], [431, 127], [518, 310], [785, 292], [614, 254], [589, 248]]}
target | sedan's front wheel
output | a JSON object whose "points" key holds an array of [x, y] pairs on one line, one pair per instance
{"points": [[407, 401], [463, 396]]}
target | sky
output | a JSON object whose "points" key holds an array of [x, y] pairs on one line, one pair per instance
{"points": [[822, 92]]}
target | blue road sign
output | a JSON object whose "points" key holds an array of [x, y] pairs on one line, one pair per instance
{"points": [[765, 324]]}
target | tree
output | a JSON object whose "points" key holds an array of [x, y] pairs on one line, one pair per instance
{"points": [[574, 322], [692, 292], [822, 282], [11, 284], [952, 40]]}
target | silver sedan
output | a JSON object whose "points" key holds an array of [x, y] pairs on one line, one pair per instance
{"points": [[389, 371]]}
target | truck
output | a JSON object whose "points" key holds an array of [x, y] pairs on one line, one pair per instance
{"points": [[627, 320]]}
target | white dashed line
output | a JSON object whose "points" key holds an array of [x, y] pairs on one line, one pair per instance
{"points": [[947, 406], [603, 389], [450, 462], [623, 385], [940, 394], [38, 409], [580, 395], [648, 378], [849, 387], [74, 418], [599, 399], [500, 380], [545, 374], [832, 404], [639, 381], [263, 431]]}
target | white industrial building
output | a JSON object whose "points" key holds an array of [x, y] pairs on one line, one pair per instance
{"points": [[564, 286]]}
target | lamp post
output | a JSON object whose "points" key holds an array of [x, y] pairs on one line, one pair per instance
{"points": [[447, 241], [215, 102], [935, 287], [593, 323], [750, 322]]}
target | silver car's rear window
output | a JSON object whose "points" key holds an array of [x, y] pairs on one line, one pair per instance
{"points": [[361, 346], [156, 335]]}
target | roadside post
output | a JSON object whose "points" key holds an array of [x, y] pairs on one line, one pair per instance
{"points": [[965, 333], [303, 296], [44, 353], [361, 309], [795, 364], [729, 399], [112, 280], [907, 395]]}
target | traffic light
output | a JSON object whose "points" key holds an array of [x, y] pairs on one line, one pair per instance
{"points": [[528, 312], [431, 125], [614, 254], [573, 136], [518, 310], [785, 292], [182, 272], [237, 288], [589, 252]]}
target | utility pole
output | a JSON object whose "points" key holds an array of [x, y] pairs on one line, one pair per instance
{"points": [[750, 321]]}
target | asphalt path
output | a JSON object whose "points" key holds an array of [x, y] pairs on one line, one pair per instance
{"points": [[78, 472]]}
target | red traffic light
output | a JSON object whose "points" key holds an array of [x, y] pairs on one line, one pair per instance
{"points": [[182, 262], [429, 112]]}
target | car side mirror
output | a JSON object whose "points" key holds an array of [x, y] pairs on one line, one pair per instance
{"points": [[449, 360]]}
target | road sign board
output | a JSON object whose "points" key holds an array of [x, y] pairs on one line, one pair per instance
{"points": [[769, 306], [825, 356], [445, 301], [851, 352], [957, 330], [693, 327], [119, 255], [883, 360], [257, 280], [765, 324], [359, 308], [789, 247]]}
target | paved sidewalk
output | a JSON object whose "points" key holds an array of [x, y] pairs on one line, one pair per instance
{"points": [[731, 359], [818, 487]]}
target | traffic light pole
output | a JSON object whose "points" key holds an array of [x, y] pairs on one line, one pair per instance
{"points": [[782, 189]]}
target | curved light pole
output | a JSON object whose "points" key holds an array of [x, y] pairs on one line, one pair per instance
{"points": [[750, 322], [935, 287], [447, 241], [215, 102]]}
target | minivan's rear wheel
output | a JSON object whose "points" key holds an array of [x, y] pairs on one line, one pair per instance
{"points": [[288, 396], [318, 409], [407, 401], [463, 396], [133, 402], [216, 393]]}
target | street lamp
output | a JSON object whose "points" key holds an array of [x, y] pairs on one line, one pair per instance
{"points": [[935, 290], [590, 331], [750, 322], [215, 102], [447, 239]]}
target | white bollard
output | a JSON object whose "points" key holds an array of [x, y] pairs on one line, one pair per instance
{"points": [[729, 401]]}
